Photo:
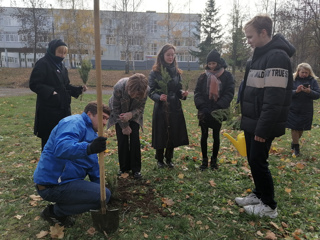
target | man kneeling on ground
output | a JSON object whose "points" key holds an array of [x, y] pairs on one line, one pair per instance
{"points": [[68, 157]]}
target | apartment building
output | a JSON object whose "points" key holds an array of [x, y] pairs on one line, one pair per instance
{"points": [[128, 39]]}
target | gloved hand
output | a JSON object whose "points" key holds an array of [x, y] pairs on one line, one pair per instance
{"points": [[125, 117], [127, 131], [97, 145]]}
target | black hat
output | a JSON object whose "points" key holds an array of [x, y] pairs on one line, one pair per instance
{"points": [[214, 56], [54, 44]]}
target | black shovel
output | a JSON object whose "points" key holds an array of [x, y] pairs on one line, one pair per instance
{"points": [[106, 221]]}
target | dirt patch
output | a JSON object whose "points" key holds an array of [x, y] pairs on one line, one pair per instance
{"points": [[133, 195]]}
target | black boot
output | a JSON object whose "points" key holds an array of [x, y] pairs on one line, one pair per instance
{"points": [[296, 150], [169, 163], [204, 164], [159, 156], [292, 148], [213, 163], [161, 164]]}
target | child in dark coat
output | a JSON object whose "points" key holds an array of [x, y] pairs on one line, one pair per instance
{"points": [[214, 91]]}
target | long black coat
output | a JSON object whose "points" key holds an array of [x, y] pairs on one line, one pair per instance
{"points": [[301, 108], [46, 78], [176, 134]]}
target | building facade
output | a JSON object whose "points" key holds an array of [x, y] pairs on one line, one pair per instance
{"points": [[128, 39]]}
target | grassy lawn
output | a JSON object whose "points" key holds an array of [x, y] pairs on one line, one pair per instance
{"points": [[183, 203]]}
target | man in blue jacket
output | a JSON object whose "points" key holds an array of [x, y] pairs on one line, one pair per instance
{"points": [[68, 157], [265, 101]]}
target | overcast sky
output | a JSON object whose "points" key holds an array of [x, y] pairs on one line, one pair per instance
{"points": [[184, 6], [249, 7]]}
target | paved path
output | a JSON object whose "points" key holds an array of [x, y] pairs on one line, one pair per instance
{"points": [[7, 92]]}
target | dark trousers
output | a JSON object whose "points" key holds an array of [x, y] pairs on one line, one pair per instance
{"points": [[44, 140], [216, 127], [129, 151], [257, 154], [168, 154]]}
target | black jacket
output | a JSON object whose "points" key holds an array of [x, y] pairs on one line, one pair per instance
{"points": [[301, 109], [162, 136], [201, 97], [266, 94], [46, 77]]}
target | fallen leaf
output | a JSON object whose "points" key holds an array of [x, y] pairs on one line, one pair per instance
{"points": [[168, 202], [270, 235], [124, 175], [274, 225], [42, 234], [181, 176], [91, 231], [284, 225], [212, 183], [145, 235], [300, 165], [287, 190], [18, 216], [56, 231], [260, 234], [35, 197]]}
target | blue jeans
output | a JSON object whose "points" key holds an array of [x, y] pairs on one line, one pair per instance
{"points": [[75, 197]]}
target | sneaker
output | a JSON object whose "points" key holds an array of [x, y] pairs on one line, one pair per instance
{"points": [[48, 215], [203, 167], [170, 164], [251, 199], [161, 164], [137, 175], [261, 210]]}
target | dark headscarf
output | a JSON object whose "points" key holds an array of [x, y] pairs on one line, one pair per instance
{"points": [[51, 50]]}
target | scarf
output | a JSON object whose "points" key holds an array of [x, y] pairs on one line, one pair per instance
{"points": [[213, 83]]}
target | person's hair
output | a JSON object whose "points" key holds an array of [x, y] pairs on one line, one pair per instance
{"points": [[261, 22], [93, 108], [137, 85], [62, 49], [216, 68], [304, 66], [160, 59]]}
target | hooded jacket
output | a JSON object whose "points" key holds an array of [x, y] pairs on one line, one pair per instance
{"points": [[301, 109], [266, 94], [64, 157]]}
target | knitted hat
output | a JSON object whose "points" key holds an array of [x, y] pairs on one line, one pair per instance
{"points": [[213, 56], [54, 44]]}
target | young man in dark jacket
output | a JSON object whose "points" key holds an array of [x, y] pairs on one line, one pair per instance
{"points": [[265, 101]]}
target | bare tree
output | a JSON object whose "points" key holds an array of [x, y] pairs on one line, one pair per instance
{"points": [[299, 22], [75, 25], [238, 49], [34, 22], [129, 30]]}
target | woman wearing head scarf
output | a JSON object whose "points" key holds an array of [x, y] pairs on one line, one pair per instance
{"points": [[49, 80]]}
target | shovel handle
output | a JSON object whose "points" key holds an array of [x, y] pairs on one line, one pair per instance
{"points": [[99, 101]]}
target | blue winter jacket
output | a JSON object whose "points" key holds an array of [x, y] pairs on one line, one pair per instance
{"points": [[64, 157]]}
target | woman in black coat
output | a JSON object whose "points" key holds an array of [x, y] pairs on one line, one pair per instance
{"points": [[300, 115], [168, 123], [49, 80], [214, 91]]}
